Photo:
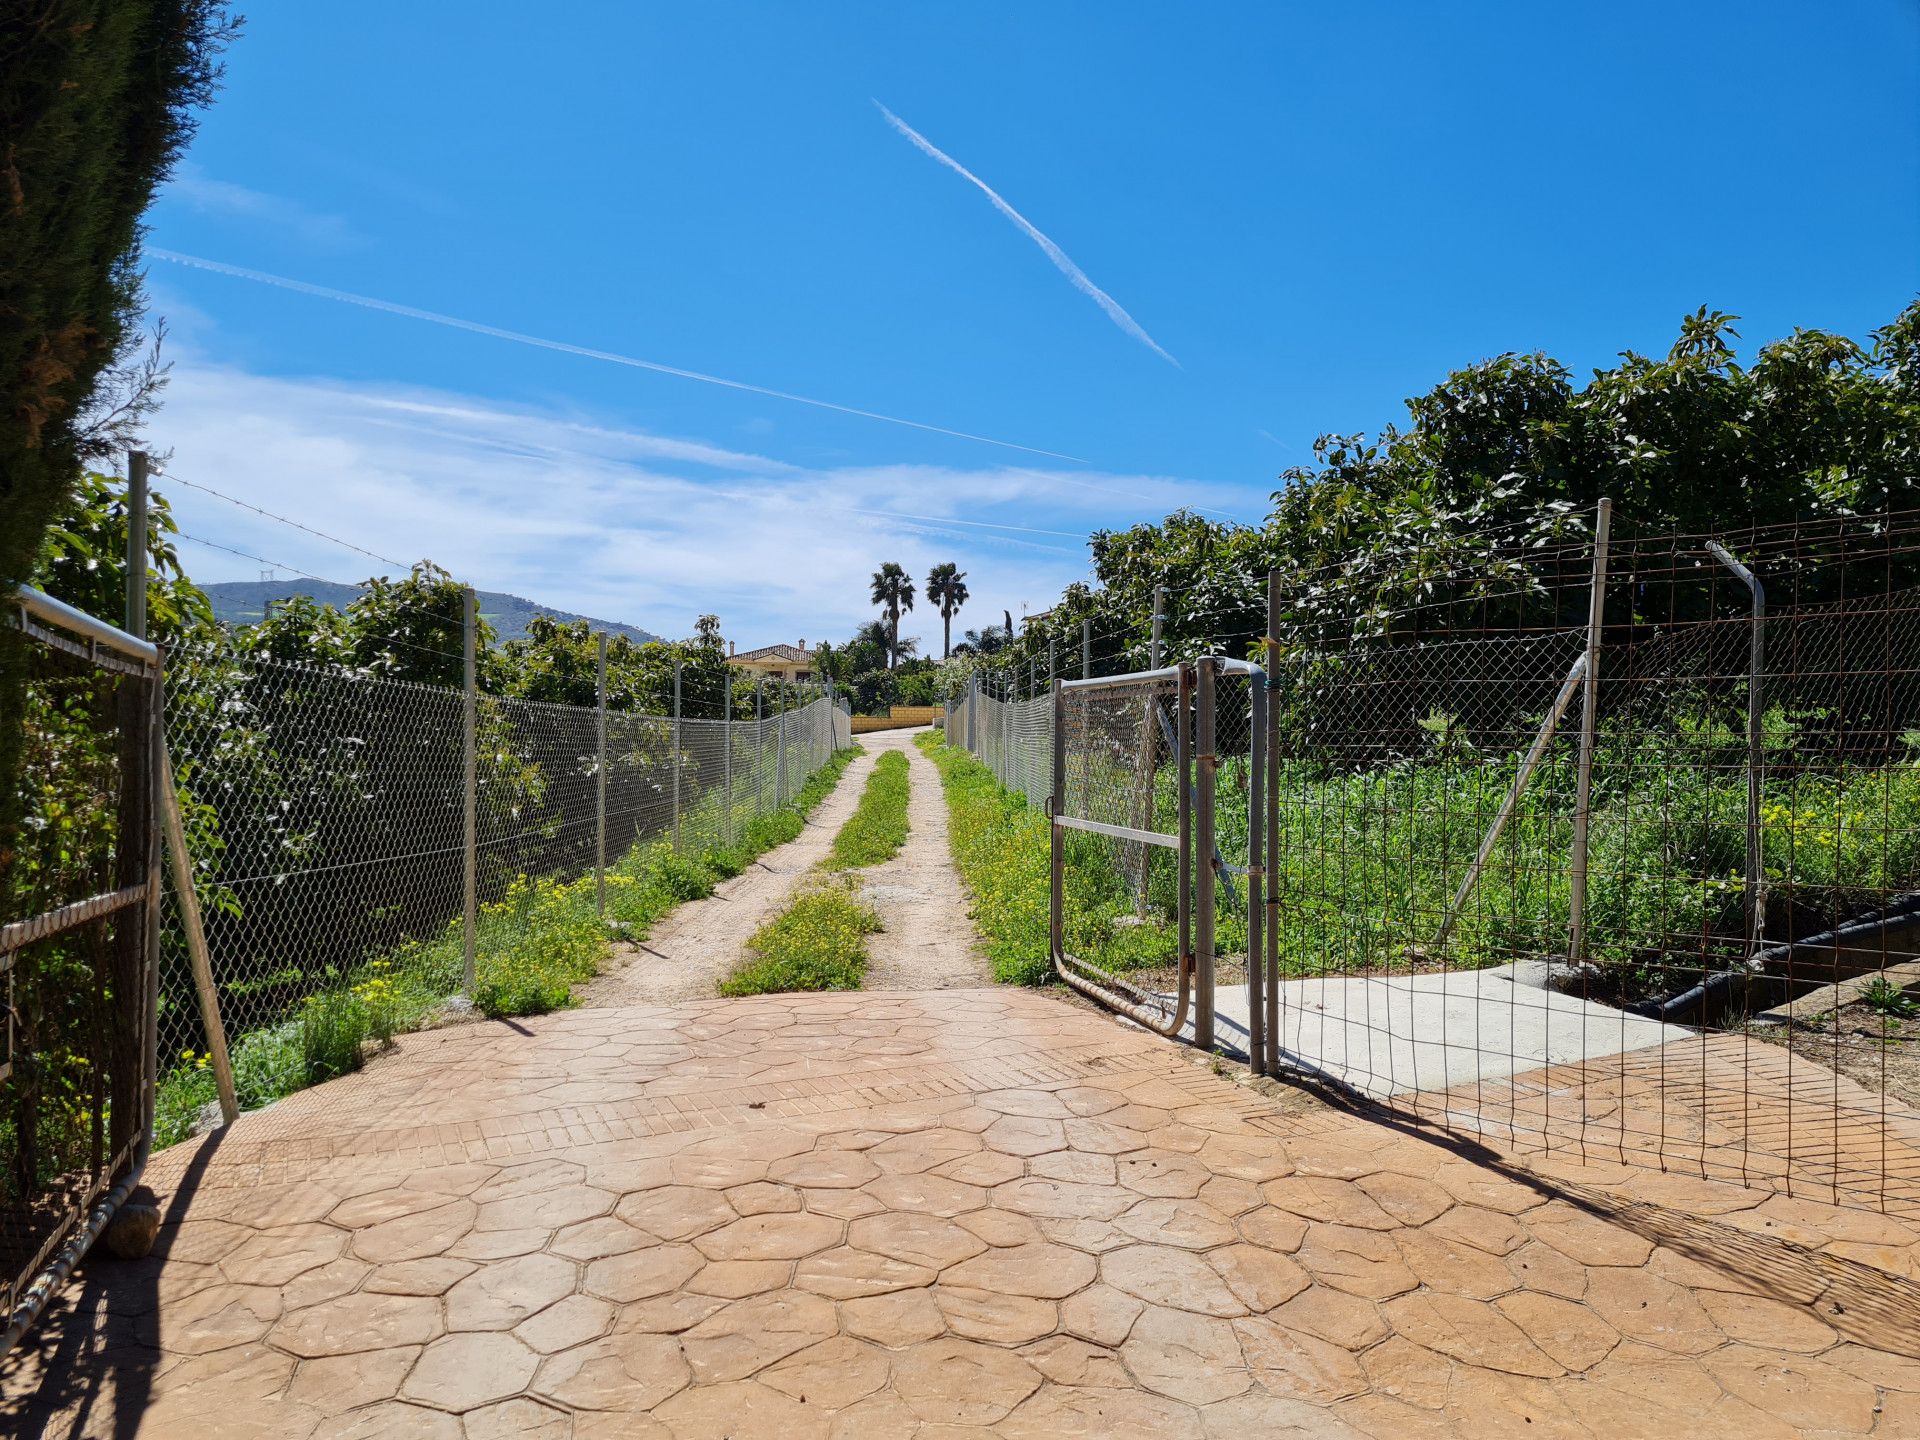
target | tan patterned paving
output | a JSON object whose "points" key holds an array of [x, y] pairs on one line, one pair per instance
{"points": [[926, 1214]]}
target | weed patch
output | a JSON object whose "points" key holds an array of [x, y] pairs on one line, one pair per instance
{"points": [[818, 943]]}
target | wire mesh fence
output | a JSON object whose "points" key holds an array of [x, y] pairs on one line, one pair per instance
{"points": [[1013, 738], [333, 829], [76, 947], [1598, 846]]}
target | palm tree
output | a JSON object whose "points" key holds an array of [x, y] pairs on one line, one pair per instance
{"points": [[893, 589], [947, 587]]}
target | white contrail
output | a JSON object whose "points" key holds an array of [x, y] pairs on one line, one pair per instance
{"points": [[475, 327], [1062, 261]]}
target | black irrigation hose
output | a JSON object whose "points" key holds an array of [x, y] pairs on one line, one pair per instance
{"points": [[1695, 1001]]}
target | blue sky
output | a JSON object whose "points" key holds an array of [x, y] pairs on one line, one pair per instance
{"points": [[1269, 221]]}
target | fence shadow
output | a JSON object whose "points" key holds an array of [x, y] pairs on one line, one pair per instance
{"points": [[1859, 1302], [92, 1357]]}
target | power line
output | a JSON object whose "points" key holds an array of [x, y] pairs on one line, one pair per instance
{"points": [[309, 575], [257, 559], [284, 520]]}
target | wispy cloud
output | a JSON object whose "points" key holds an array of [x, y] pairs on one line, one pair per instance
{"points": [[1062, 261], [474, 327], [603, 519], [200, 191]]}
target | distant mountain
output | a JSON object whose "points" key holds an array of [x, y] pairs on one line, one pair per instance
{"points": [[244, 602]]}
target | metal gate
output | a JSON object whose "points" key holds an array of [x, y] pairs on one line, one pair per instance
{"points": [[78, 949], [1158, 784]]}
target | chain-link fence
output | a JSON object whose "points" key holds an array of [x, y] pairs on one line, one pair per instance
{"points": [[334, 819], [77, 938], [1012, 737], [1605, 843]]}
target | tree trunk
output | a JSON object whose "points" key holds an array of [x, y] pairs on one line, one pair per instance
{"points": [[893, 635], [946, 634]]}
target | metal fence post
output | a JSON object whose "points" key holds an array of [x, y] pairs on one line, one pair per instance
{"points": [[1272, 822], [1159, 616], [470, 794], [1257, 871], [1086, 649], [1007, 729], [600, 780], [676, 757], [759, 744], [136, 598], [726, 731], [1056, 852], [1204, 761], [1756, 887], [780, 748], [132, 1051], [1589, 713]]}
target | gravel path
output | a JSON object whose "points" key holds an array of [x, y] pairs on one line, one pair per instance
{"points": [[929, 942], [693, 947]]}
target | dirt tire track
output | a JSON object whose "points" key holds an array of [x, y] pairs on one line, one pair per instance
{"points": [[929, 941]]}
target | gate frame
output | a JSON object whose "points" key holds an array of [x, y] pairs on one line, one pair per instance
{"points": [[1196, 760], [1109, 989], [55, 624]]}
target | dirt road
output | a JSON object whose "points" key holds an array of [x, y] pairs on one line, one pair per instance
{"points": [[928, 942]]}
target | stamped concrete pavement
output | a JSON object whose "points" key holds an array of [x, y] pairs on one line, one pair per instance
{"points": [[934, 1213]]}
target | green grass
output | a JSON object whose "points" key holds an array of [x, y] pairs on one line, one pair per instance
{"points": [[531, 947], [1000, 848], [878, 828], [1369, 859], [819, 942]]}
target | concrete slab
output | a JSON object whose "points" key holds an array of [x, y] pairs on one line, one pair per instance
{"points": [[1390, 1035]]}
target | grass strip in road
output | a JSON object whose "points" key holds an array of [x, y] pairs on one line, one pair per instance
{"points": [[819, 942], [878, 828]]}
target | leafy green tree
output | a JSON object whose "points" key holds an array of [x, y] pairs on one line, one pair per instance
{"points": [[83, 561], [893, 589], [947, 588], [1509, 456], [97, 101]]}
